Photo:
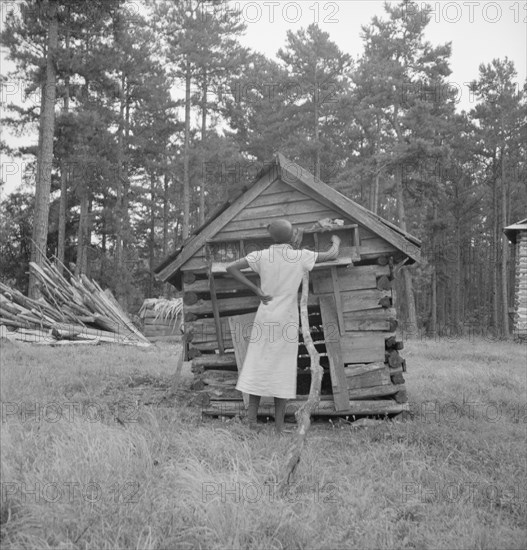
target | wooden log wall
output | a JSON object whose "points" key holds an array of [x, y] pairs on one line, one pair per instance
{"points": [[520, 286], [370, 349], [158, 328]]}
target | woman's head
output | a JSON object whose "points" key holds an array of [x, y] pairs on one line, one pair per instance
{"points": [[281, 231]]}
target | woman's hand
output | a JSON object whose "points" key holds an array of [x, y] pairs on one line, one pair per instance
{"points": [[265, 298]]}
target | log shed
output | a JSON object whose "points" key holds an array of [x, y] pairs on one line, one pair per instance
{"points": [[517, 235], [351, 300]]}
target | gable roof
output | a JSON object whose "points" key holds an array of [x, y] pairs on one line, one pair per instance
{"points": [[298, 178]]}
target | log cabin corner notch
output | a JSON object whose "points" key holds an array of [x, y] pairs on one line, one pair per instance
{"points": [[517, 235], [351, 305]]}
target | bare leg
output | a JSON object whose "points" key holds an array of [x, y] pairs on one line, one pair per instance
{"points": [[252, 409], [279, 413]]}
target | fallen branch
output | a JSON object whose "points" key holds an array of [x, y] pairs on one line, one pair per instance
{"points": [[303, 414]]}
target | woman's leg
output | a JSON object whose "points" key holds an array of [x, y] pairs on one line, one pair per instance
{"points": [[279, 413], [252, 409]]}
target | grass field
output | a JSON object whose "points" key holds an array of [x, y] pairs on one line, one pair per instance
{"points": [[99, 451]]}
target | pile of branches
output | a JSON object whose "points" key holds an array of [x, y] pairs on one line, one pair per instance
{"points": [[74, 310]]}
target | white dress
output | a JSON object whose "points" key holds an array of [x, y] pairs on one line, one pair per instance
{"points": [[270, 365]]}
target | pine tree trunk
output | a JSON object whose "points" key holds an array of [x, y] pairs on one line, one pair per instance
{"points": [[186, 154], [119, 183], [151, 240], [317, 144], [45, 156], [82, 234], [456, 305], [504, 250], [165, 214], [203, 134], [126, 180], [63, 205], [407, 277], [375, 192], [433, 313], [494, 259]]}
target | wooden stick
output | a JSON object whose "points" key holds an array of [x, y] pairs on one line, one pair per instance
{"points": [[216, 311], [303, 414]]}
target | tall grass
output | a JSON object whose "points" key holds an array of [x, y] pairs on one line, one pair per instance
{"points": [[128, 465]]}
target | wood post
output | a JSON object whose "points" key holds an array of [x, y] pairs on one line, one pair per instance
{"points": [[216, 311]]}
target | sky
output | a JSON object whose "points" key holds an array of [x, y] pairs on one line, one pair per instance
{"points": [[479, 31]]}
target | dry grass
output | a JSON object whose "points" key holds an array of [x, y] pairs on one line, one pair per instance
{"points": [[128, 465]]}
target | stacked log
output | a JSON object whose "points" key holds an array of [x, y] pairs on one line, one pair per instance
{"points": [[520, 287], [74, 310], [162, 319], [397, 365]]}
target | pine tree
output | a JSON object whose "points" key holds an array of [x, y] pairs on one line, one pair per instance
{"points": [[501, 115], [406, 78], [319, 72]]}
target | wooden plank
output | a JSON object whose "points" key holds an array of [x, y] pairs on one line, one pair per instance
{"points": [[353, 278], [379, 313], [278, 186], [375, 391], [379, 377], [213, 360], [222, 284], [379, 319], [355, 300], [338, 301], [225, 305], [198, 241], [324, 408], [216, 312], [281, 209], [295, 216], [357, 370], [240, 338], [362, 347], [202, 338], [253, 233], [288, 195], [336, 365], [381, 325], [242, 304]]}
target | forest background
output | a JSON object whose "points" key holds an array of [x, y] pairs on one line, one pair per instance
{"points": [[125, 169]]}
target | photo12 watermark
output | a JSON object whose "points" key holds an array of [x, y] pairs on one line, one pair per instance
{"points": [[251, 12], [69, 492], [35, 412], [451, 492], [252, 492], [469, 11], [452, 412]]}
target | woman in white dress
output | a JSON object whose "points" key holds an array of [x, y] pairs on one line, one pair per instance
{"points": [[270, 365]]}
